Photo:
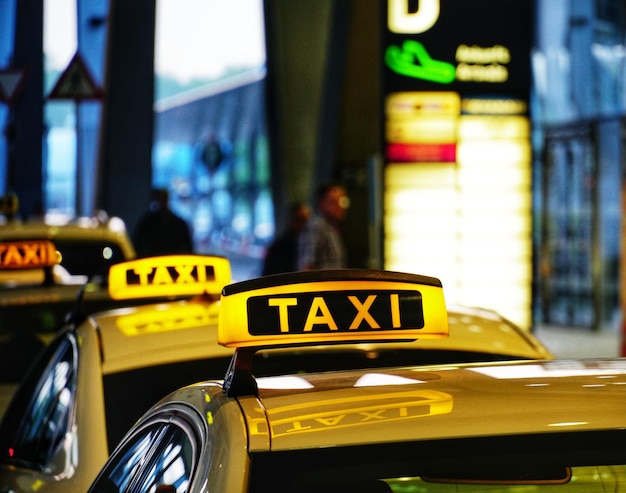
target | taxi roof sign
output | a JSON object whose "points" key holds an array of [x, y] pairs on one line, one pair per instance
{"points": [[169, 275], [29, 254], [316, 307]]}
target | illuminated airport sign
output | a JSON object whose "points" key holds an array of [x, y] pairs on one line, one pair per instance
{"points": [[455, 92], [470, 46]]}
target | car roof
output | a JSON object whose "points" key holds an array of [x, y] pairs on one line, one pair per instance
{"points": [[155, 334], [485, 331], [146, 335], [139, 336], [82, 229], [436, 402]]}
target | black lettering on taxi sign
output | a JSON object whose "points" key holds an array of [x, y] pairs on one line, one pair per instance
{"points": [[28, 254], [162, 274], [335, 311]]}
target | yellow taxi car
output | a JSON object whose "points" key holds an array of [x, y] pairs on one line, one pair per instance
{"points": [[88, 245], [553, 426], [43, 269], [94, 381], [95, 378], [36, 294], [46, 272]]}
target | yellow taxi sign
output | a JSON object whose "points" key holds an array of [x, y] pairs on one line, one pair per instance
{"points": [[331, 306], [169, 275], [29, 254]]}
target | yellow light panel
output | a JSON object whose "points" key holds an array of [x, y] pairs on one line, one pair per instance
{"points": [[430, 129], [493, 127], [169, 275], [420, 175], [410, 104], [502, 152]]}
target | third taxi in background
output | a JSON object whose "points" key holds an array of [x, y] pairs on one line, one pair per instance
{"points": [[45, 270], [553, 426], [95, 380]]}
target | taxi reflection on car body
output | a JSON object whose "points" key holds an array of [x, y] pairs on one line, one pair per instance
{"points": [[546, 425]]}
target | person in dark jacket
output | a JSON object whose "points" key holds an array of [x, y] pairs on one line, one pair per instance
{"points": [[160, 231], [282, 254], [321, 244]]}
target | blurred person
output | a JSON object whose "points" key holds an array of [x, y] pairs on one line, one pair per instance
{"points": [[160, 231], [321, 245], [282, 254]]}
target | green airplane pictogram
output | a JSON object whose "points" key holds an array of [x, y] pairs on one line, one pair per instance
{"points": [[413, 60]]}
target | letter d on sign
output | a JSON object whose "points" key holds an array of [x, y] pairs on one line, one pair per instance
{"points": [[400, 20]]}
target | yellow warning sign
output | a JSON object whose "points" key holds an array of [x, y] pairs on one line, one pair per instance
{"points": [[76, 82]]}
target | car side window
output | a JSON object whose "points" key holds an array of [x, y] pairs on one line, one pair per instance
{"points": [[40, 414], [160, 457]]}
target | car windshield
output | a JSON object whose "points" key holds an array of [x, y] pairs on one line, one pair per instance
{"points": [[556, 462], [88, 258]]}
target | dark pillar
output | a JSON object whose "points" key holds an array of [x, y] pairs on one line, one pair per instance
{"points": [[298, 34], [125, 164], [92, 30], [25, 126]]}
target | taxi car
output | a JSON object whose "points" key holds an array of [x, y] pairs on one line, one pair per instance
{"points": [[36, 294], [46, 272], [88, 245], [554, 426], [96, 380], [96, 377], [44, 268]]}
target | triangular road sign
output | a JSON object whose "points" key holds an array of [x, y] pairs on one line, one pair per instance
{"points": [[76, 83], [11, 81]]}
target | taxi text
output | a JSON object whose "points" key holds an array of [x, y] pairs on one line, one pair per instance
{"points": [[27, 254], [326, 312], [164, 275]]}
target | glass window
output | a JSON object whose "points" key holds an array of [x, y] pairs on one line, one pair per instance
{"points": [[60, 44], [138, 389], [40, 414], [555, 462], [211, 144], [162, 453], [89, 257]]}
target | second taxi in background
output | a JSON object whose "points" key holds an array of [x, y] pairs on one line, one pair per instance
{"points": [[44, 269], [94, 379]]}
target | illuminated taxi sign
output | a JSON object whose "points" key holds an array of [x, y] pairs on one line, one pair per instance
{"points": [[169, 275], [331, 306], [28, 254]]}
